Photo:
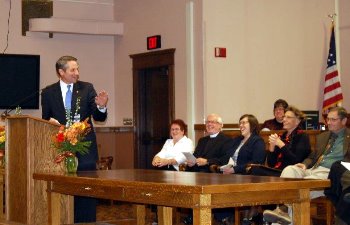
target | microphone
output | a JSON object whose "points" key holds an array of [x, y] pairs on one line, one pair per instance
{"points": [[6, 113]]}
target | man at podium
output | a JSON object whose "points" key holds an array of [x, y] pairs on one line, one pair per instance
{"points": [[70, 100]]}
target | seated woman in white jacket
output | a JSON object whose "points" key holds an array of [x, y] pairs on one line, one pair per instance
{"points": [[170, 157]]}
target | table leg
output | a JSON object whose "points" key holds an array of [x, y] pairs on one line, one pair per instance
{"points": [[301, 210], [202, 216], [140, 214], [165, 215], [54, 208]]}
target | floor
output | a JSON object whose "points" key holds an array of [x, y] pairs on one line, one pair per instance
{"points": [[118, 213], [122, 214]]}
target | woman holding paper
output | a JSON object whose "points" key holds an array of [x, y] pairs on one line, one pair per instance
{"points": [[171, 155], [248, 148]]}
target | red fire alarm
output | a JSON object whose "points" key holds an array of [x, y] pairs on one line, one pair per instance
{"points": [[220, 52]]}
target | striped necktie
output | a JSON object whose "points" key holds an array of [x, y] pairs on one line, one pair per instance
{"points": [[68, 100], [330, 144]]}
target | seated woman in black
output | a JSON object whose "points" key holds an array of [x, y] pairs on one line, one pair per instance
{"points": [[292, 147], [248, 148]]}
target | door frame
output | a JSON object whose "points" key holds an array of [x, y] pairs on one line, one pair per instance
{"points": [[143, 61]]}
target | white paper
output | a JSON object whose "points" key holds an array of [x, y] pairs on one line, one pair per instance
{"points": [[189, 157], [230, 164], [346, 165]]}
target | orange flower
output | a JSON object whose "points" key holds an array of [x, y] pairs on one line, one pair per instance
{"points": [[72, 139]]}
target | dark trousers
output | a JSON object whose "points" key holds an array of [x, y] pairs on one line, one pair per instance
{"points": [[336, 192], [265, 171], [85, 207]]}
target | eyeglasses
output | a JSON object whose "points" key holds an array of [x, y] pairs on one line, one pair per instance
{"points": [[211, 122], [288, 117], [332, 119], [175, 129], [243, 122]]}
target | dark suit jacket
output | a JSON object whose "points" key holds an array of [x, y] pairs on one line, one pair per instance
{"points": [[253, 151], [53, 106], [216, 150], [321, 142]]}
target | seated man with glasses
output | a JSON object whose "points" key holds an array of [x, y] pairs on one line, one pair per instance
{"points": [[331, 146], [216, 148]]}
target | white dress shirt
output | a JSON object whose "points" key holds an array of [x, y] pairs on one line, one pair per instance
{"points": [[171, 151]]}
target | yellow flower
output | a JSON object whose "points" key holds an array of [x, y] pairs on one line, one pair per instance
{"points": [[2, 136]]}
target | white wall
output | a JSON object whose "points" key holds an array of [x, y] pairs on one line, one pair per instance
{"points": [[95, 54], [275, 49], [146, 18], [344, 49]]}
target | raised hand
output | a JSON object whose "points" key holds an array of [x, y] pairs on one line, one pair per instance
{"points": [[101, 99]]}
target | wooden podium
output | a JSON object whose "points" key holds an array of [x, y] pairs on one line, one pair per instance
{"points": [[28, 150]]}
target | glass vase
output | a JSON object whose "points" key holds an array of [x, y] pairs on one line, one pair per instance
{"points": [[71, 163]]}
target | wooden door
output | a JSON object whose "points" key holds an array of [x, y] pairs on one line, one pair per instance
{"points": [[153, 86]]}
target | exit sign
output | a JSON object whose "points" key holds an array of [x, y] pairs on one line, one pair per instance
{"points": [[154, 42]]}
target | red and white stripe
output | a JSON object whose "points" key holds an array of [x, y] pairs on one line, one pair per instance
{"points": [[332, 94]]}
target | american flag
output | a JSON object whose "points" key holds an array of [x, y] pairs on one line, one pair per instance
{"points": [[332, 94]]}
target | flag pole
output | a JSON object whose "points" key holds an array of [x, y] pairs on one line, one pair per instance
{"points": [[334, 20], [332, 90]]}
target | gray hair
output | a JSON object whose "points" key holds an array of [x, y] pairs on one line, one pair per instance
{"points": [[218, 118], [63, 61], [342, 113]]}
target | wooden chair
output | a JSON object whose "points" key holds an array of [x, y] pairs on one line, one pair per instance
{"points": [[322, 209], [105, 163]]}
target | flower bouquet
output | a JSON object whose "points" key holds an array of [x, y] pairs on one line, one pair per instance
{"points": [[2, 137], [2, 146], [69, 141]]}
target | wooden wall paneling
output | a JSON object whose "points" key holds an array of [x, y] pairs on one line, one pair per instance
{"points": [[119, 143]]}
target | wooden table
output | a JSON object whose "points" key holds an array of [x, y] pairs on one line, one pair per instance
{"points": [[199, 191]]}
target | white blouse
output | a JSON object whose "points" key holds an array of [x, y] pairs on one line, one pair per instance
{"points": [[171, 151]]}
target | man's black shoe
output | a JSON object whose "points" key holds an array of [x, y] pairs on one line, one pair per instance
{"points": [[188, 220], [347, 197]]}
